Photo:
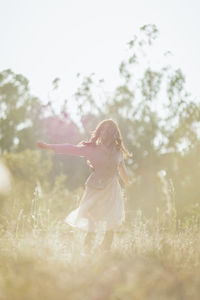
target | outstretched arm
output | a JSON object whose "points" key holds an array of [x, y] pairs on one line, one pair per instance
{"points": [[69, 149]]}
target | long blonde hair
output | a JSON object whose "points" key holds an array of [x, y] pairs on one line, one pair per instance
{"points": [[113, 136]]}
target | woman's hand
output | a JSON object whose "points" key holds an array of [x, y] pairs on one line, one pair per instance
{"points": [[130, 182], [42, 145]]}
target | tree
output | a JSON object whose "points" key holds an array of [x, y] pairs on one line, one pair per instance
{"points": [[19, 111], [160, 139], [158, 118]]}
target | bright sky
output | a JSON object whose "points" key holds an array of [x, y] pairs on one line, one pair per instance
{"points": [[44, 39]]}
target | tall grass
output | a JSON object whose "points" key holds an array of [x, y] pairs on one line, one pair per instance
{"points": [[41, 257]]}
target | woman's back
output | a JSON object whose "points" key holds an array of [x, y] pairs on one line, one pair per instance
{"points": [[105, 163], [105, 160]]}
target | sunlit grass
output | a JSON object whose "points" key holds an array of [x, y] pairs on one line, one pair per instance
{"points": [[41, 257]]}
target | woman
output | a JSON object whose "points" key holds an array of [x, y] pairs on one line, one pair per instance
{"points": [[102, 204]]}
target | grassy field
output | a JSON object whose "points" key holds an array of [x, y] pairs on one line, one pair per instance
{"points": [[42, 258]]}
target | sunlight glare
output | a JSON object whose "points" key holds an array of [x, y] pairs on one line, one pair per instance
{"points": [[5, 182]]}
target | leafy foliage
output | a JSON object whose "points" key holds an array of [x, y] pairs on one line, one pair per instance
{"points": [[157, 116]]}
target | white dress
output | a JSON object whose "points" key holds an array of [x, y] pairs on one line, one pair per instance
{"points": [[102, 203]]}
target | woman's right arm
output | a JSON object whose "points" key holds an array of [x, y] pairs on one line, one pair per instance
{"points": [[69, 149]]}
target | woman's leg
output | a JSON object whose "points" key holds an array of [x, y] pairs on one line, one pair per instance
{"points": [[89, 239], [108, 239]]}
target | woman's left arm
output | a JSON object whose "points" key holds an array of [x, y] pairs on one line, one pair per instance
{"points": [[124, 174], [69, 149]]}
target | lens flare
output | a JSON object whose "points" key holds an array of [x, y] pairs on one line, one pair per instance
{"points": [[5, 180]]}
